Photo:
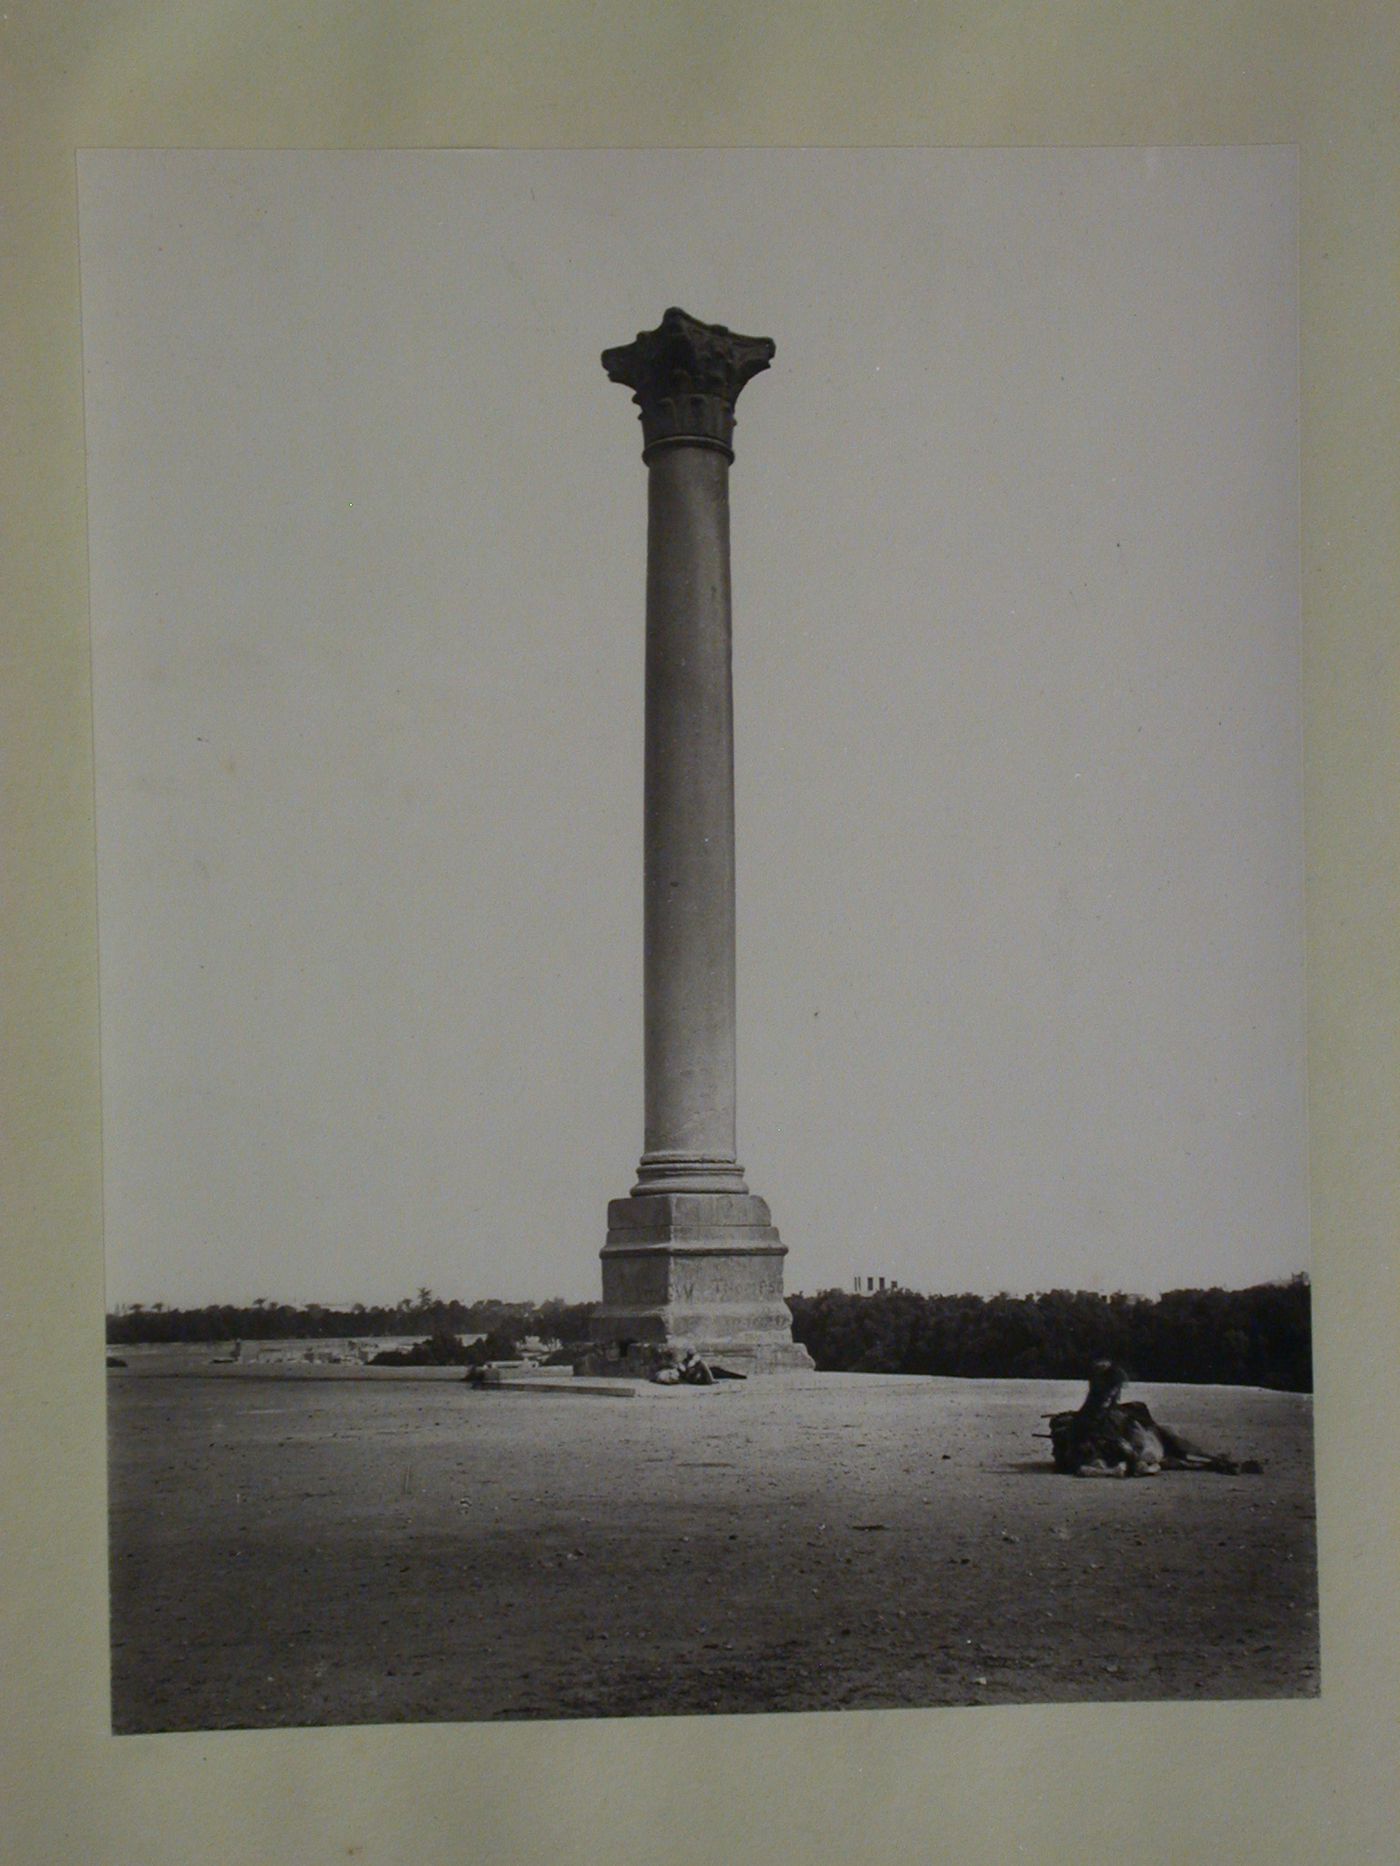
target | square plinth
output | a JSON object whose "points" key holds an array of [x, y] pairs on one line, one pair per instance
{"points": [[702, 1268]]}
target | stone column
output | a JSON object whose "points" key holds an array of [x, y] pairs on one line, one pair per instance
{"points": [[691, 1255]]}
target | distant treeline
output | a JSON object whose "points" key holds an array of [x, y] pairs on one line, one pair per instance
{"points": [[415, 1316], [1228, 1337]]}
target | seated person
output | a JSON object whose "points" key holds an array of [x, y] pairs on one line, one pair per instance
{"points": [[1111, 1437]]}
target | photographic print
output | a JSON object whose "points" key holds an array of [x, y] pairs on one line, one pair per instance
{"points": [[700, 889]]}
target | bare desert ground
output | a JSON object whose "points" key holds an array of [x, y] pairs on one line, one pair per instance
{"points": [[294, 1550]]}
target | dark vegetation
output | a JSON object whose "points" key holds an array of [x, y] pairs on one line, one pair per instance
{"points": [[415, 1317], [443, 1348], [1230, 1337]]}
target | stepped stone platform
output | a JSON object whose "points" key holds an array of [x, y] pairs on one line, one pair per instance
{"points": [[314, 1550]]}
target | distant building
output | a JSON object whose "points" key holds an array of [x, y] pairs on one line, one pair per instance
{"points": [[872, 1285]]}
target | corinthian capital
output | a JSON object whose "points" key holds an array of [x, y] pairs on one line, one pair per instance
{"points": [[686, 377]]}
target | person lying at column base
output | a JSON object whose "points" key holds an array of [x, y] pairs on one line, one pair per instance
{"points": [[682, 1366]]}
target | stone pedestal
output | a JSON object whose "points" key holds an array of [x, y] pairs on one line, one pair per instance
{"points": [[691, 1255], [704, 1268]]}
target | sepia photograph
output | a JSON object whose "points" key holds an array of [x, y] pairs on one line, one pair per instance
{"points": [[700, 888]]}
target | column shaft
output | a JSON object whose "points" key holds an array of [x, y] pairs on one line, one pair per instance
{"points": [[689, 827]]}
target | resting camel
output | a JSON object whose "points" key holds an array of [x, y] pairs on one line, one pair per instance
{"points": [[1110, 1438]]}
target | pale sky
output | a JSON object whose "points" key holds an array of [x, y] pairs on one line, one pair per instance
{"points": [[1018, 777]]}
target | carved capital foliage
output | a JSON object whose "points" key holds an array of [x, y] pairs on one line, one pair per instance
{"points": [[686, 377]]}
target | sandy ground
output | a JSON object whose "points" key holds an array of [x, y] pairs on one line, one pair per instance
{"points": [[349, 1550]]}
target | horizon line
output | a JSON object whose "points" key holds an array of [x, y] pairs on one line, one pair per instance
{"points": [[410, 1305]]}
